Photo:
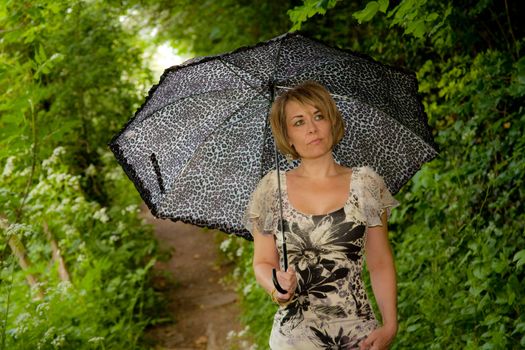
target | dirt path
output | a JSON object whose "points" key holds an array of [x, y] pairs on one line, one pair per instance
{"points": [[204, 310]]}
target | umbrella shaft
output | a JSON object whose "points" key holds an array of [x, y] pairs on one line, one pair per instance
{"points": [[281, 221]]}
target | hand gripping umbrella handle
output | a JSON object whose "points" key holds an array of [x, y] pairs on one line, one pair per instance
{"points": [[274, 272], [276, 283]]}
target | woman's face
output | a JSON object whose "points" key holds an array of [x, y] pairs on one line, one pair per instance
{"points": [[308, 130]]}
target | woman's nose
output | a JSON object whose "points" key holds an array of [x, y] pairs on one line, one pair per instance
{"points": [[311, 127]]}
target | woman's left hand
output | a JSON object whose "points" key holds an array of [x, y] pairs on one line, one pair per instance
{"points": [[379, 339]]}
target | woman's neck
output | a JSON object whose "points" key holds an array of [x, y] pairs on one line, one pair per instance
{"points": [[320, 167]]}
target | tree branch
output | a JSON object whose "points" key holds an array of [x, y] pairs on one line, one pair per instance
{"points": [[17, 247], [57, 257]]}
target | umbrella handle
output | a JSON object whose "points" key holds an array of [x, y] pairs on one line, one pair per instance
{"points": [[276, 283]]}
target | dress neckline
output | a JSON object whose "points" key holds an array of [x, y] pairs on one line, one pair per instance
{"points": [[285, 196]]}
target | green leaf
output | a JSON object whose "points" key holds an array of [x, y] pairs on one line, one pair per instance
{"points": [[519, 258], [383, 5], [300, 14], [416, 28], [432, 17], [40, 55], [367, 13], [517, 84]]}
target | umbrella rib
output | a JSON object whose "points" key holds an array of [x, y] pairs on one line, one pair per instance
{"points": [[208, 136], [241, 78], [281, 221], [195, 96]]}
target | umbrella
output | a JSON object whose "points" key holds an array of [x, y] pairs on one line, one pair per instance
{"points": [[201, 141]]}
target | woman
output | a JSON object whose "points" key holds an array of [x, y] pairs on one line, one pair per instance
{"points": [[332, 216]]}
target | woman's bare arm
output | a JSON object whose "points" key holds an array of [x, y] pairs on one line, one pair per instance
{"points": [[266, 258], [380, 264]]}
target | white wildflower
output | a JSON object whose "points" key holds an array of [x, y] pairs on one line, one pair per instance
{"points": [[244, 331], [23, 317], [91, 170], [121, 227], [61, 177], [101, 215], [50, 333], [63, 287], [14, 229], [25, 172], [114, 238], [57, 152], [96, 340], [53, 208], [42, 308], [231, 335], [225, 244], [247, 289], [58, 341], [73, 182], [69, 230], [9, 166], [133, 208], [41, 189], [239, 251], [113, 175]]}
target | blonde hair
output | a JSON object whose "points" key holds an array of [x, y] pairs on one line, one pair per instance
{"points": [[311, 93]]}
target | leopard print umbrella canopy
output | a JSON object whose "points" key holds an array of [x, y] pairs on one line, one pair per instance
{"points": [[200, 143]]}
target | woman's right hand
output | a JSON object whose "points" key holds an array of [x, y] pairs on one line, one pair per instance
{"points": [[288, 281]]}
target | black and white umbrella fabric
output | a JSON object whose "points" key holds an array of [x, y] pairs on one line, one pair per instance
{"points": [[200, 143]]}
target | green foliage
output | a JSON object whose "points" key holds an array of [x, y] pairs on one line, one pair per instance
{"points": [[108, 252], [372, 7], [258, 308], [203, 27], [463, 246], [71, 74], [310, 8]]}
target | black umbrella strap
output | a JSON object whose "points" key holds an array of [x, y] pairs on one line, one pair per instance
{"points": [[156, 167]]}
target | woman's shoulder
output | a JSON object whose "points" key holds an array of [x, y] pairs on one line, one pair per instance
{"points": [[269, 176], [366, 171], [269, 180], [367, 177]]}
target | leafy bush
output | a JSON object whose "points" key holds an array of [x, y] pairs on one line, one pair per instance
{"points": [[258, 308], [108, 253], [75, 257]]}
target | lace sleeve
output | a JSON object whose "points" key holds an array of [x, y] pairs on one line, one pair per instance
{"points": [[376, 197], [260, 212]]}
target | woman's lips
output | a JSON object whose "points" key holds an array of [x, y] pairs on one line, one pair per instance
{"points": [[314, 142]]}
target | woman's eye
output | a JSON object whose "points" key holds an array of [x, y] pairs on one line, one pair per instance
{"points": [[319, 117], [299, 122]]}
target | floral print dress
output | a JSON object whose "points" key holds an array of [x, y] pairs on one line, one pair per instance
{"points": [[330, 308]]}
